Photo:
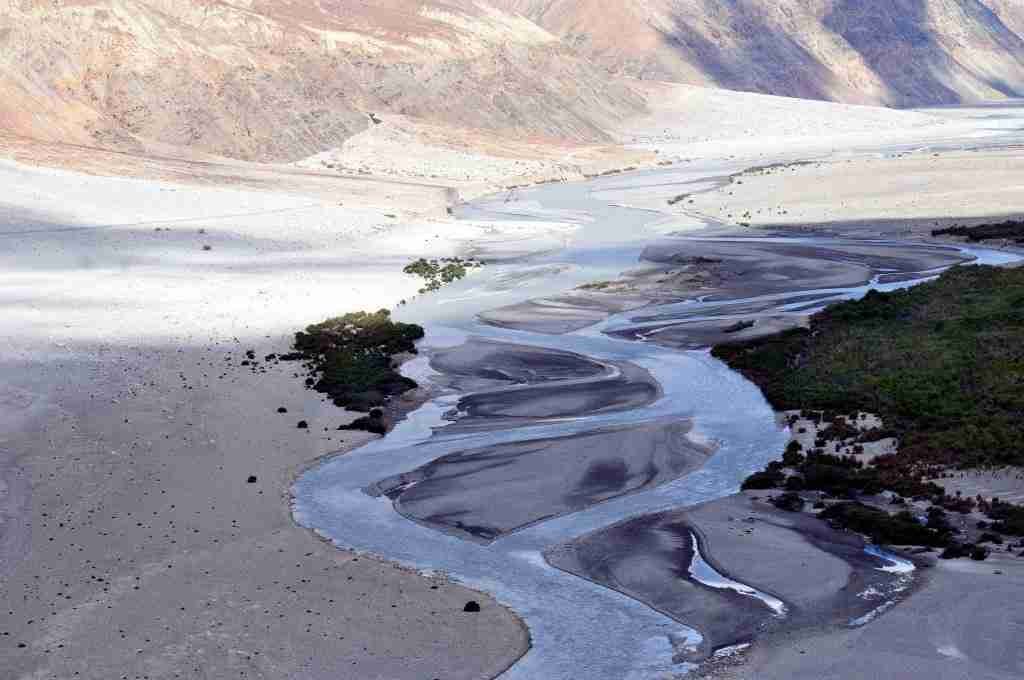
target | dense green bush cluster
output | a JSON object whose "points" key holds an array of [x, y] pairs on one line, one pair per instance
{"points": [[839, 476], [350, 357], [768, 479], [941, 363], [1010, 229], [439, 273], [1009, 518], [899, 529]]}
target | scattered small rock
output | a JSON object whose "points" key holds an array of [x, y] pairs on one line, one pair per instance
{"points": [[282, 409], [207, 247], [472, 606], [303, 425], [251, 479]]}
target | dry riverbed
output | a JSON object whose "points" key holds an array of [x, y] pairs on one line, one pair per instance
{"points": [[146, 534]]}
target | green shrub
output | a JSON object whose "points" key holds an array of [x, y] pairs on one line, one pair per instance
{"points": [[883, 528], [350, 357], [769, 479], [1009, 518], [438, 273], [792, 456], [949, 391], [790, 502], [940, 363]]}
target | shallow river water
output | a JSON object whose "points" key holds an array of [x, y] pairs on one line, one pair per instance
{"points": [[578, 629]]}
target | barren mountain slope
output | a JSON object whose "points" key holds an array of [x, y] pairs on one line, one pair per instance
{"points": [[283, 79], [897, 52]]}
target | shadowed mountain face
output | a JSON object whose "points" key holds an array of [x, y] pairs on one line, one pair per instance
{"points": [[284, 79], [896, 52]]}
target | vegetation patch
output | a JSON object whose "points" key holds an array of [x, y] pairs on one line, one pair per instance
{"points": [[374, 422], [1011, 230], [941, 363], [597, 285], [439, 273], [899, 529], [350, 357]]}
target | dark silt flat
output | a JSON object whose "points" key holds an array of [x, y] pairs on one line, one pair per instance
{"points": [[479, 362], [632, 387], [824, 576], [485, 493], [648, 558]]}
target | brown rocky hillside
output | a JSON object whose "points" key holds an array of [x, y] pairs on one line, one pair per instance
{"points": [[284, 79]]}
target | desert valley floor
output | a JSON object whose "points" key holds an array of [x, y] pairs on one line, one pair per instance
{"points": [[165, 516]]}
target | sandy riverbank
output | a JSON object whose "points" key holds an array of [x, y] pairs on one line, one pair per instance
{"points": [[133, 544], [895, 195], [141, 549]]}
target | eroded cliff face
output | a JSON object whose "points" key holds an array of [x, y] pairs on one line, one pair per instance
{"points": [[279, 80], [284, 79], [896, 52]]}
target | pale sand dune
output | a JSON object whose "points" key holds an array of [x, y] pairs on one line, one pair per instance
{"points": [[927, 189], [74, 244], [690, 120], [682, 123], [472, 162], [964, 169]]}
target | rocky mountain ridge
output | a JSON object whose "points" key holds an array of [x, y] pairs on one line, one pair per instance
{"points": [[281, 80], [890, 52]]}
